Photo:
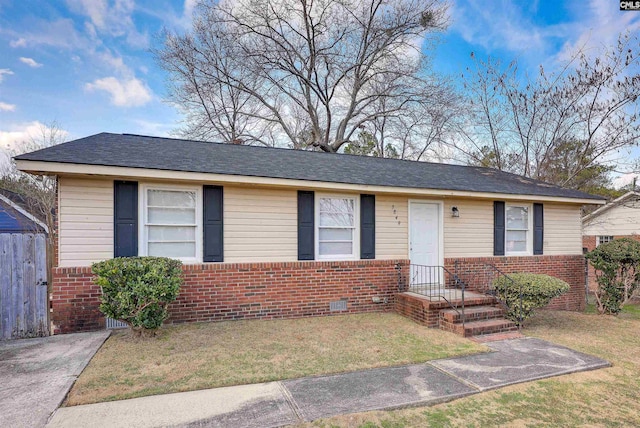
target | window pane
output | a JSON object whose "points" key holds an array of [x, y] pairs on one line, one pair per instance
{"points": [[517, 218], [171, 198], [334, 219], [335, 248], [171, 216], [337, 205], [170, 233], [172, 249], [336, 234], [516, 240]]}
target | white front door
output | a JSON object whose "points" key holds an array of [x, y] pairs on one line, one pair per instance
{"points": [[424, 243]]}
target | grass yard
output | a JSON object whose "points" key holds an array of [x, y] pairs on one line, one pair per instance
{"points": [[207, 355], [607, 397]]}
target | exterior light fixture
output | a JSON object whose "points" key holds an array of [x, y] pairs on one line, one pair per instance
{"points": [[455, 212]]}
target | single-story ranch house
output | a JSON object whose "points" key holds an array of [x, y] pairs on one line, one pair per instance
{"points": [[271, 233]]}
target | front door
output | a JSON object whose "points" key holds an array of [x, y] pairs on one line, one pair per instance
{"points": [[424, 243]]}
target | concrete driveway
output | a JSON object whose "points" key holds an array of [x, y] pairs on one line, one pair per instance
{"points": [[36, 374]]}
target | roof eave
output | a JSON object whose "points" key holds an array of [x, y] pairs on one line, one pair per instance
{"points": [[60, 168]]}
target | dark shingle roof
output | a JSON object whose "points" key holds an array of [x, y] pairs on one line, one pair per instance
{"points": [[126, 150]]}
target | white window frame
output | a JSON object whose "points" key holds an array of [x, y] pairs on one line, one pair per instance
{"points": [[142, 218], [604, 236], [356, 229], [529, 250]]}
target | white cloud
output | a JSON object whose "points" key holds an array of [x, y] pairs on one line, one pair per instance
{"points": [[60, 33], [13, 138], [18, 43], [30, 62], [3, 72], [7, 107], [113, 19], [127, 92], [511, 26]]}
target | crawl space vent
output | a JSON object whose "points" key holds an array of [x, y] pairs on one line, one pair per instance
{"points": [[111, 324], [338, 305]]}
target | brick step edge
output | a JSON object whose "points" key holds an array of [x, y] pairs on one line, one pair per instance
{"points": [[474, 313], [477, 328]]}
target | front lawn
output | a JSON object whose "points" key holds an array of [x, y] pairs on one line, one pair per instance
{"points": [[607, 397], [207, 355]]}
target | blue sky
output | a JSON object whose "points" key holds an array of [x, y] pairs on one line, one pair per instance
{"points": [[87, 63]]}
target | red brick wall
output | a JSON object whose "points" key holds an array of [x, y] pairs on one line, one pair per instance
{"points": [[215, 292], [75, 301], [476, 274]]}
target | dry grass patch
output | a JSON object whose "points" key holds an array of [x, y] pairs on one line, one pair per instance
{"points": [[206, 355], [607, 397]]}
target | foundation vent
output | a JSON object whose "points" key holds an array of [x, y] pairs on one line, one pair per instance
{"points": [[113, 324], [338, 305]]}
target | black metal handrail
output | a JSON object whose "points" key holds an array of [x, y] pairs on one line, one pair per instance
{"points": [[435, 283], [490, 289]]}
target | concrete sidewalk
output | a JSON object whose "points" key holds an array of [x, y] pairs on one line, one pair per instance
{"points": [[36, 374], [277, 404]]}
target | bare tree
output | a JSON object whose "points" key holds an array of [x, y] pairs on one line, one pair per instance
{"points": [[38, 192], [589, 108], [302, 73]]}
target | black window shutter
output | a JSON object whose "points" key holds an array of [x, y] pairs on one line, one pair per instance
{"points": [[498, 228], [213, 242], [306, 230], [125, 218], [367, 226], [538, 228]]}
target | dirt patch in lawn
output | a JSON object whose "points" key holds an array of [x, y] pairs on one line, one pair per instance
{"points": [[207, 355], [606, 397]]}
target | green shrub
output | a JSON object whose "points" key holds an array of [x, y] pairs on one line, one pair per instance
{"points": [[137, 290], [617, 268], [537, 291]]}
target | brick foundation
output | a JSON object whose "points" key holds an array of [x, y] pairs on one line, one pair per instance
{"points": [[216, 292], [571, 269]]}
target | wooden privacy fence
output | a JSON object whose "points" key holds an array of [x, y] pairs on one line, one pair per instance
{"points": [[23, 285]]}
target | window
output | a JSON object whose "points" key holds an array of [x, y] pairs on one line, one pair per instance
{"points": [[518, 236], [336, 221], [171, 225], [604, 239]]}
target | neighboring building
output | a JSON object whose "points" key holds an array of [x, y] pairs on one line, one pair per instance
{"points": [[15, 216], [268, 233], [618, 219]]}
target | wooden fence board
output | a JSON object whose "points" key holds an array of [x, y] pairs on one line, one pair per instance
{"points": [[6, 315], [42, 289], [23, 300]]}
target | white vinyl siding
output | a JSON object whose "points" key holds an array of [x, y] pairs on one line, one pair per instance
{"points": [[392, 227], [260, 224], [562, 229], [85, 222], [620, 220], [471, 234]]}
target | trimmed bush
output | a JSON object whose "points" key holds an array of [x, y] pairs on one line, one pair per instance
{"points": [[617, 267], [537, 291], [137, 290]]}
